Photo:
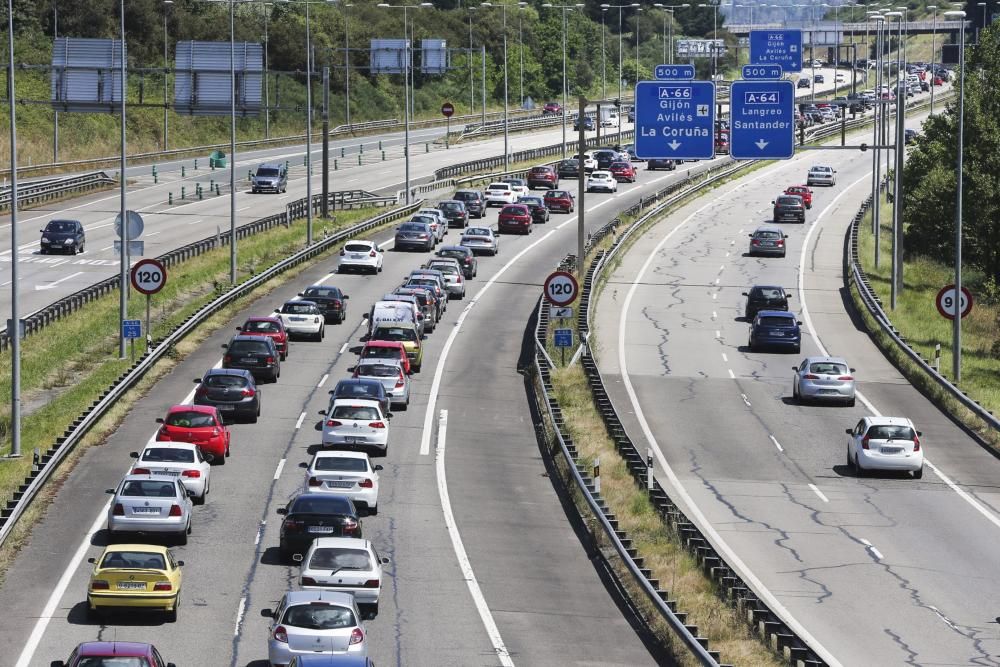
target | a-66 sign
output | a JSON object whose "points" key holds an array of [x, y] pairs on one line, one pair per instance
{"points": [[148, 276], [561, 288]]}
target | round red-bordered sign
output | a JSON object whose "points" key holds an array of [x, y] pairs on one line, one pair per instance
{"points": [[945, 302], [561, 288], [447, 109], [149, 276]]}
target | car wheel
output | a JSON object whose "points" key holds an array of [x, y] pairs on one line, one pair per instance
{"points": [[253, 420], [171, 614], [795, 392], [850, 461], [416, 367], [372, 511], [220, 460], [182, 538], [200, 500], [861, 472], [851, 402], [918, 474]]}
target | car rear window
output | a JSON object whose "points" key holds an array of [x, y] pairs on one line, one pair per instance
{"points": [[828, 368], [467, 196], [530, 201], [445, 267], [231, 381], [327, 292], [767, 235], [379, 352], [321, 616], [190, 419], [514, 210], [337, 559], [450, 206], [137, 560], [355, 412], [167, 455], [248, 347], [788, 201], [378, 370], [116, 661], [767, 293], [297, 308], [340, 463], [357, 247], [893, 432], [412, 227], [395, 333], [262, 326], [477, 231], [457, 254], [314, 504], [777, 322], [498, 186], [139, 488], [356, 390]]}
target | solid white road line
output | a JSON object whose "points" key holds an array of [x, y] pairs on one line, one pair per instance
{"points": [[281, 463], [343, 348], [196, 221], [776, 443], [260, 533], [718, 334], [463, 558], [745, 400], [298, 423], [322, 381], [819, 493]]}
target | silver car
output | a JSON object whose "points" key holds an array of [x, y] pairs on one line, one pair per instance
{"points": [[390, 373], [481, 240], [821, 175], [150, 504], [767, 240], [442, 227], [823, 379], [453, 275], [311, 622]]}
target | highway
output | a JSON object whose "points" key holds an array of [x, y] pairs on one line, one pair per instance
{"points": [[476, 535], [885, 570]]}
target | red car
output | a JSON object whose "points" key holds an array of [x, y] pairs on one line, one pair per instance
{"points": [[133, 654], [802, 191], [271, 327], [552, 107], [545, 177], [198, 424], [721, 144], [623, 172], [514, 218], [559, 200], [386, 349]]}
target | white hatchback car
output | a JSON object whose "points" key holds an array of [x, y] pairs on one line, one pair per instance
{"points": [[302, 318], [362, 256], [350, 474], [589, 163], [176, 459], [602, 180], [353, 422], [885, 443], [498, 194], [349, 564]]}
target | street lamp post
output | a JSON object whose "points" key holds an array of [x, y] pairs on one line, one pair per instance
{"points": [[472, 82], [14, 326], [715, 36], [668, 57], [604, 58], [166, 68], [980, 28], [896, 282], [879, 111], [347, 65], [520, 56], [934, 9], [506, 107], [267, 86], [956, 331], [123, 258], [620, 31], [564, 8]]}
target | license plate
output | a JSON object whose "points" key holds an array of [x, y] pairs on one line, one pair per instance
{"points": [[351, 440], [297, 319], [340, 485], [248, 360], [891, 450], [131, 585], [224, 407], [321, 530], [778, 333], [355, 256], [145, 510]]}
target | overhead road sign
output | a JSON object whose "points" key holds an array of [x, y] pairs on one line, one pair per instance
{"points": [[675, 120], [781, 47], [673, 72], [766, 72], [762, 120]]}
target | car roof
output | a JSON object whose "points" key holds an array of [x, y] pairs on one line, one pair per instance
{"points": [[305, 597], [380, 361], [828, 360], [105, 649], [241, 372], [776, 313], [452, 201], [300, 302], [888, 421], [151, 478], [464, 249], [384, 343], [339, 453], [148, 548], [275, 165], [256, 339], [170, 444], [350, 381], [768, 287], [769, 228], [207, 409], [348, 542], [365, 402], [394, 325]]}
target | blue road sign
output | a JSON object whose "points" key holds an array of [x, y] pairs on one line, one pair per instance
{"points": [[781, 47], [675, 120], [563, 337], [668, 72], [762, 120], [131, 328], [761, 72]]}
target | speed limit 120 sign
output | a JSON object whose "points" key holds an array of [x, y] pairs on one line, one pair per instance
{"points": [[148, 276], [561, 288], [945, 302]]}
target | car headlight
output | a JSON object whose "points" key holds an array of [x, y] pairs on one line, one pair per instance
{"points": [[45, 239], [68, 241]]}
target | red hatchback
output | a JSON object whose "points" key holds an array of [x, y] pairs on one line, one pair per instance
{"points": [[545, 177], [552, 107], [559, 200], [271, 327], [803, 191], [514, 218], [200, 425], [114, 653], [386, 349], [623, 172]]}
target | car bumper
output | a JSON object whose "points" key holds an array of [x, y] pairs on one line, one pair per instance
{"points": [[57, 246], [498, 202], [113, 600], [270, 187], [340, 439], [600, 188], [776, 342], [542, 184], [368, 265], [875, 460], [363, 498], [455, 289], [278, 653], [361, 595], [478, 249], [296, 328], [514, 228], [762, 250], [246, 408], [402, 244], [811, 390], [117, 524], [817, 181]]}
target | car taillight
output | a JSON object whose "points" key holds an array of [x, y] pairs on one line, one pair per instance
{"points": [[316, 320], [163, 435], [175, 510], [118, 510], [333, 422], [192, 474], [755, 242], [781, 242], [226, 359], [350, 525], [200, 391], [291, 525], [141, 471], [307, 581], [810, 376], [247, 391], [864, 442], [343, 253], [357, 636], [400, 381], [336, 302], [372, 583], [372, 254], [162, 586], [916, 444], [315, 482], [99, 585], [269, 360], [376, 425], [366, 484], [280, 634]]}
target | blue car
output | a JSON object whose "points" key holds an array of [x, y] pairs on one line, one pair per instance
{"points": [[588, 124], [775, 328]]}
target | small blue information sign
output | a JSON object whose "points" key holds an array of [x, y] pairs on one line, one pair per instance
{"points": [[675, 120], [131, 328], [762, 120], [563, 337], [674, 72], [761, 72], [781, 47]]}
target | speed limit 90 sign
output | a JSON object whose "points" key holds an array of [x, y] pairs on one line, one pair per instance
{"points": [[561, 288], [945, 302], [148, 276]]}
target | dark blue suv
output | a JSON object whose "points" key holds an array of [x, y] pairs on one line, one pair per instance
{"points": [[775, 328]]}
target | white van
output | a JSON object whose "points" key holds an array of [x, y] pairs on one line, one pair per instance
{"points": [[392, 312]]}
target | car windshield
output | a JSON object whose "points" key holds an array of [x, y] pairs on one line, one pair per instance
{"points": [[422, 281], [314, 504], [378, 370], [515, 182], [111, 661], [325, 292], [340, 559], [267, 171], [340, 463], [775, 321], [60, 226], [357, 247], [530, 201], [167, 455], [828, 368], [887, 432], [477, 231], [134, 560], [261, 326], [230, 381], [190, 419], [248, 347], [322, 616], [412, 227], [140, 488], [767, 235]]}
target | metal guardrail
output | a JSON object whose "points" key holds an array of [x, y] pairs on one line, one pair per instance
{"points": [[52, 188], [45, 464], [873, 304]]}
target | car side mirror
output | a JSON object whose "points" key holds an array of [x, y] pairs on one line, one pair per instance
{"points": [[799, 323], [378, 466], [239, 328], [277, 310], [852, 370], [786, 236], [795, 368], [190, 493], [364, 316], [297, 558], [111, 491], [750, 235], [281, 510], [744, 294], [180, 563], [920, 434], [159, 420], [303, 464], [197, 380], [385, 561], [302, 294], [267, 613], [57, 663], [323, 412], [388, 415], [91, 560], [134, 455], [170, 664], [224, 346], [849, 431], [348, 297]]}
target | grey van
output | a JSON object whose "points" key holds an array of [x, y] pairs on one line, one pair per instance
{"points": [[270, 176]]}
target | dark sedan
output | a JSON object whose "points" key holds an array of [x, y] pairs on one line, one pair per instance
{"points": [[661, 163], [417, 235], [331, 301], [257, 354], [765, 297], [466, 259], [474, 200], [539, 212], [456, 213], [312, 515], [232, 390], [588, 124], [361, 388], [272, 327], [568, 168], [775, 328]]}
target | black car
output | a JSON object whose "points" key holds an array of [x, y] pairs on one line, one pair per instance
{"points": [[455, 211], [803, 83], [232, 390], [475, 202], [63, 236], [361, 388], [312, 515], [605, 158], [588, 124], [568, 168], [765, 297], [789, 207], [539, 211], [661, 163], [256, 354], [466, 259], [775, 328], [909, 135], [331, 301]]}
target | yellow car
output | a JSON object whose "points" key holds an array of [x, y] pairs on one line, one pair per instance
{"points": [[405, 333], [135, 576]]}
